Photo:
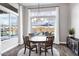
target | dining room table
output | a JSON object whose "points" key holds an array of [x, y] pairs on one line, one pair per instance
{"points": [[38, 40]]}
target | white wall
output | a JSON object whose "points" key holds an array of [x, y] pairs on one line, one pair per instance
{"points": [[63, 20], [20, 25], [25, 21], [74, 7]]}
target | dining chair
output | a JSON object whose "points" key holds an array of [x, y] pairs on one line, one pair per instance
{"points": [[48, 44], [31, 35], [27, 44]]}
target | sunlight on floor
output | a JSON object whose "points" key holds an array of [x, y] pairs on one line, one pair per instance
{"points": [[7, 44]]}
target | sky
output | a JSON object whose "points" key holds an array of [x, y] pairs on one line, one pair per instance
{"points": [[4, 19]]}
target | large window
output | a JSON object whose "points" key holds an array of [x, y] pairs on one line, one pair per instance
{"points": [[13, 27], [4, 23], [8, 25], [43, 20], [8, 28]]}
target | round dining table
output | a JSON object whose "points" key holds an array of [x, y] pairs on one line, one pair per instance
{"points": [[38, 40]]}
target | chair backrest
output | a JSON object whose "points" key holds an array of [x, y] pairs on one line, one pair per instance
{"points": [[49, 41], [26, 40], [31, 35]]}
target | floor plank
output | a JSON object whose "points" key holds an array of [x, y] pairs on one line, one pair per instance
{"points": [[63, 50]]}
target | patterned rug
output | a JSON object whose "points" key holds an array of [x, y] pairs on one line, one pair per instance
{"points": [[33, 53]]}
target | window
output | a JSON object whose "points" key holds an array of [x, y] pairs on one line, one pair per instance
{"points": [[8, 25], [13, 22], [4, 23], [44, 20]]}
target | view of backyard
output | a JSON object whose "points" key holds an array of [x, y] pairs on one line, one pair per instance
{"points": [[43, 25], [43, 21]]}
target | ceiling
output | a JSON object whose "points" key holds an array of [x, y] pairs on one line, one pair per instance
{"points": [[9, 6], [31, 5], [35, 5]]}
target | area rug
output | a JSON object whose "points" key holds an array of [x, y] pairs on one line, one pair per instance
{"points": [[33, 53]]}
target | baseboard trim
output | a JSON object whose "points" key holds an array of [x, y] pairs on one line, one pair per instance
{"points": [[62, 42]]}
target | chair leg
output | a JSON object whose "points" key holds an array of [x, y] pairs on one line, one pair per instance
{"points": [[40, 50], [25, 50], [51, 50], [45, 52], [29, 52], [36, 50]]}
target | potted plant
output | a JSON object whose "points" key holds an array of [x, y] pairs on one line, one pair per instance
{"points": [[71, 32]]}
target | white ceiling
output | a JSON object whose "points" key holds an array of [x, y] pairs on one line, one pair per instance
{"points": [[35, 5], [31, 5]]}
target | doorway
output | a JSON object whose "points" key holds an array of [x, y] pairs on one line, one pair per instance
{"points": [[8, 30]]}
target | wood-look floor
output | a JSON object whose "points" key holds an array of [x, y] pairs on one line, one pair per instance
{"points": [[63, 50]]}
